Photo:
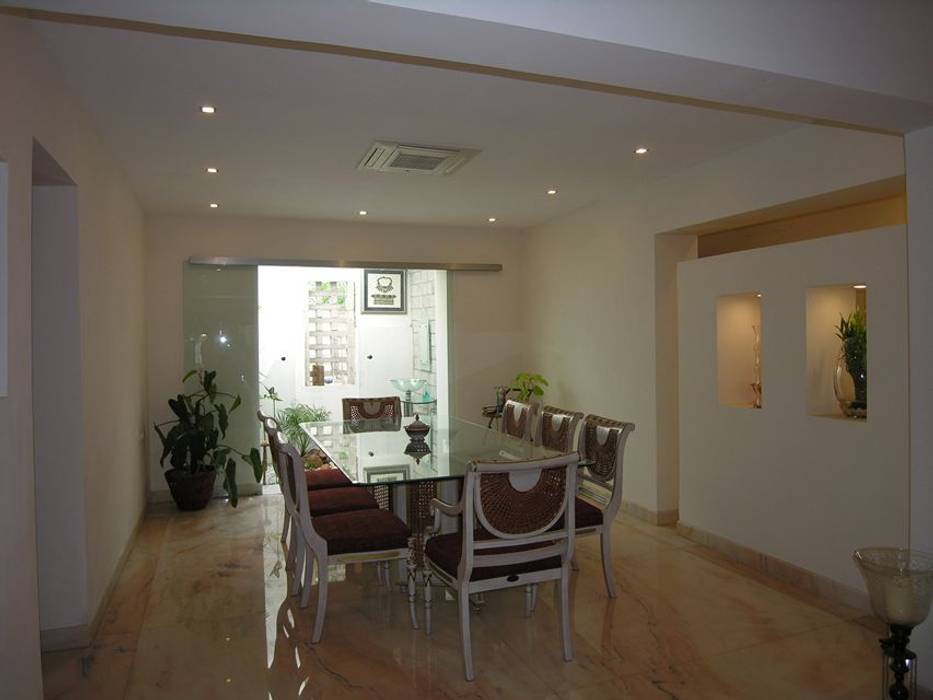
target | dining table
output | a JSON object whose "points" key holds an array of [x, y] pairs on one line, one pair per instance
{"points": [[378, 453]]}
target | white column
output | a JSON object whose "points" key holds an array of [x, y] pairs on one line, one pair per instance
{"points": [[919, 165]]}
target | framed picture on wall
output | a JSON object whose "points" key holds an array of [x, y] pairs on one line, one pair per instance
{"points": [[384, 292]]}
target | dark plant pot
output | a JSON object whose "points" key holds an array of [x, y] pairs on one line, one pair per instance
{"points": [[191, 491]]}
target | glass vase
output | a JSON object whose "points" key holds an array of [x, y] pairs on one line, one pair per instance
{"points": [[851, 392]]}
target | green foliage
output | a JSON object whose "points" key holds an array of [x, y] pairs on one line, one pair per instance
{"points": [[291, 419], [193, 442], [853, 332], [527, 385]]}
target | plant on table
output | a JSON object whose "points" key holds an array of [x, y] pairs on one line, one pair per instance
{"points": [[193, 443], [527, 385]]}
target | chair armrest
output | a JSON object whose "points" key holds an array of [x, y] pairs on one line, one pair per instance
{"points": [[438, 507]]}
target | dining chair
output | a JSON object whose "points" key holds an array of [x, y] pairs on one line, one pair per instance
{"points": [[368, 409], [557, 428], [525, 535], [334, 497], [354, 537], [518, 418], [602, 446]]}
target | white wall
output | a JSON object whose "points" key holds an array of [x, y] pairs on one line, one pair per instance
{"points": [[596, 281], [56, 335], [486, 309], [803, 488], [33, 104], [919, 147]]}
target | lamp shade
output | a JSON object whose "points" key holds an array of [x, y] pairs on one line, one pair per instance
{"points": [[899, 581]]}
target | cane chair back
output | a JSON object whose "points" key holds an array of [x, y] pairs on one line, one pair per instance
{"points": [[357, 409], [602, 444], [557, 428], [518, 419]]}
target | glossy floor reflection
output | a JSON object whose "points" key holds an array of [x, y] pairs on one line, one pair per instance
{"points": [[201, 611]]}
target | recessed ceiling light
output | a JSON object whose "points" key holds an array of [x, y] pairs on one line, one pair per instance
{"points": [[492, 219], [211, 171], [552, 191], [207, 109], [641, 150], [214, 205], [363, 212], [758, 295], [860, 286]]}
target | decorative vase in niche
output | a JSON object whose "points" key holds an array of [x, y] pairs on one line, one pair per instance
{"points": [[851, 390]]}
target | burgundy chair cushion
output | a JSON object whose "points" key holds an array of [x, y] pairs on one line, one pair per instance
{"points": [[587, 514], [329, 501], [326, 478], [444, 551], [362, 531]]}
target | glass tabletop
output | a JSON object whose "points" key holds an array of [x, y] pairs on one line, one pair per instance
{"points": [[374, 451]]}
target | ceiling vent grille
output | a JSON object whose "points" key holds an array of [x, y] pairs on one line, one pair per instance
{"points": [[387, 157]]}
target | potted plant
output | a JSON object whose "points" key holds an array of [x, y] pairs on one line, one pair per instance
{"points": [[527, 386], [850, 380], [290, 420], [193, 443]]}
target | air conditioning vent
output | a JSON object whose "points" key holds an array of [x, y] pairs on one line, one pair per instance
{"points": [[387, 157]]}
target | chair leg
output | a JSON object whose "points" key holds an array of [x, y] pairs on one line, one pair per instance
{"points": [[387, 573], [565, 615], [463, 600], [412, 573], [292, 546], [427, 602], [573, 562], [308, 579], [534, 597], [379, 572], [605, 541], [322, 577], [297, 568], [286, 521], [529, 597]]}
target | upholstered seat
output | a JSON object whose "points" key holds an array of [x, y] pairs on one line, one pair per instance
{"points": [[371, 530], [444, 551], [328, 501], [587, 515], [326, 478]]}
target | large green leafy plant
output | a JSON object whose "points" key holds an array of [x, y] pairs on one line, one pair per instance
{"points": [[853, 332], [527, 385], [291, 418], [193, 444]]}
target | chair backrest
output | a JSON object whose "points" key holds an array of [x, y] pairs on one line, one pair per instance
{"points": [[602, 442], [518, 504], [296, 499], [517, 419], [557, 428], [369, 408]]}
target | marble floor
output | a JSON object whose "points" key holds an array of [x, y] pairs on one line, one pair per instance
{"points": [[201, 611]]}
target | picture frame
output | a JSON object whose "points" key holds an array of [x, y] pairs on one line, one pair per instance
{"points": [[384, 292], [386, 475]]}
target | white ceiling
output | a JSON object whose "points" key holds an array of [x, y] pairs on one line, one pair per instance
{"points": [[291, 126]]}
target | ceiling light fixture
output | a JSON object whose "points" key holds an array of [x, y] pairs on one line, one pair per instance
{"points": [[641, 150], [207, 109], [214, 205], [363, 212], [552, 191], [211, 171], [859, 286], [492, 219]]}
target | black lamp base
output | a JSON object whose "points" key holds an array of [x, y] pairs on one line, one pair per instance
{"points": [[900, 675]]}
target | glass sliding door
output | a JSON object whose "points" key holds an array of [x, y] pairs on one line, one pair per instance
{"points": [[220, 334]]}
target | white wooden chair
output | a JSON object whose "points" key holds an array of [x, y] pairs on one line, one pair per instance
{"points": [[602, 444], [525, 536], [518, 419], [359, 536], [557, 428]]}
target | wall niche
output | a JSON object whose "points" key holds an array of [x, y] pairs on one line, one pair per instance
{"points": [[738, 349], [833, 374]]}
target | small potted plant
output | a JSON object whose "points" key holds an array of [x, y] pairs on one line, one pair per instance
{"points": [[527, 386], [193, 444], [291, 419], [850, 380]]}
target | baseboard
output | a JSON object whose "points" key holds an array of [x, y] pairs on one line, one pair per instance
{"points": [[63, 638], [165, 496], [809, 581], [663, 517]]}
